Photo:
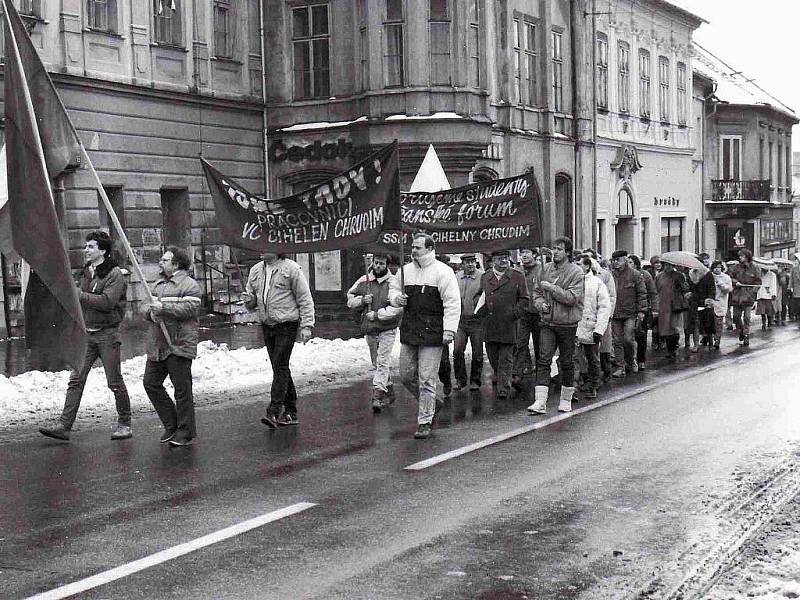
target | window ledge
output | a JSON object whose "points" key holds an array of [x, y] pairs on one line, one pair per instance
{"points": [[644, 119], [227, 60], [666, 123], [624, 115], [164, 46], [105, 32], [602, 110], [682, 126]]}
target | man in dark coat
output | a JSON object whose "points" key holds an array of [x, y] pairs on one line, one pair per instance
{"points": [[528, 323], [470, 328], [746, 279], [629, 312], [705, 289], [103, 298], [505, 295]]}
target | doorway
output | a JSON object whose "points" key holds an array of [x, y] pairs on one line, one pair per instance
{"points": [[623, 235]]}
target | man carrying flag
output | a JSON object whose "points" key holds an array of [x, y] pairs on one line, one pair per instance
{"points": [[103, 297]]}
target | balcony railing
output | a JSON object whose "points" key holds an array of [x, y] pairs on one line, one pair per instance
{"points": [[736, 190]]}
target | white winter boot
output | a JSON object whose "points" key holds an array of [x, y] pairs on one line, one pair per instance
{"points": [[566, 399], [539, 407]]}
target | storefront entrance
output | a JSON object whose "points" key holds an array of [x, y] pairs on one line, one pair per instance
{"points": [[623, 235]]}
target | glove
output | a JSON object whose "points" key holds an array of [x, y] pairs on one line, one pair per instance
{"points": [[597, 337]]}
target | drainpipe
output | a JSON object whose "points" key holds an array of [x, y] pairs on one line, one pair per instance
{"points": [[594, 125], [575, 127], [265, 121]]}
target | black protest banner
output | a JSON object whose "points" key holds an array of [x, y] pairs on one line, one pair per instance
{"points": [[481, 217], [350, 209]]}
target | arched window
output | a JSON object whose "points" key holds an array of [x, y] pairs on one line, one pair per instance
{"points": [[563, 197], [624, 203]]}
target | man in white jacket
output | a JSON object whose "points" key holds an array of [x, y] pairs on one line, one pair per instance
{"points": [[432, 307], [592, 326]]}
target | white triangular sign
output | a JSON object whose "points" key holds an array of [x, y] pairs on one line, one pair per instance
{"points": [[430, 177]]}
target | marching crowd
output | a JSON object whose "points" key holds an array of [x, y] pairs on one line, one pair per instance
{"points": [[589, 315]]}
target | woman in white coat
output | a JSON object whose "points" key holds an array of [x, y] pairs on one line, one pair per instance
{"points": [[724, 287], [593, 324]]}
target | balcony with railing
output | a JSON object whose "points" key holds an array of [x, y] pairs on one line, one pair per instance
{"points": [[737, 190]]}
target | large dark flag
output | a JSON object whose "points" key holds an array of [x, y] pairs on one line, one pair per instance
{"points": [[40, 144], [482, 217], [348, 210]]}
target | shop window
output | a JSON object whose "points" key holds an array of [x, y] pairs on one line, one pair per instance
{"points": [[624, 83], [440, 42], [663, 88], [730, 163], [602, 71], [558, 72], [223, 28], [167, 28], [102, 15], [311, 47], [671, 234], [644, 84], [393, 50]]}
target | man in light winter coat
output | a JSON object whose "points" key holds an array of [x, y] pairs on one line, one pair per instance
{"points": [[379, 319], [593, 324], [278, 290], [607, 343], [432, 307], [558, 297]]}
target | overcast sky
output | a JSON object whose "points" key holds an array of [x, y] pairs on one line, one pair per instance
{"points": [[759, 37]]}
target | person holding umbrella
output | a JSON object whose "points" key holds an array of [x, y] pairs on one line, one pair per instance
{"points": [[746, 281]]}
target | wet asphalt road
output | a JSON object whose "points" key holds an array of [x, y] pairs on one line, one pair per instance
{"points": [[588, 507]]}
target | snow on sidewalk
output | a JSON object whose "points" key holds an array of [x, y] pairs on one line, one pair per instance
{"points": [[219, 375]]}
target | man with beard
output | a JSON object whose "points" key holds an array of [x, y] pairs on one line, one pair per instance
{"points": [[176, 304], [432, 306], [505, 296], [379, 319], [102, 296]]}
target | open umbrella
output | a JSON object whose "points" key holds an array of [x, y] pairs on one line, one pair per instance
{"points": [[683, 259], [782, 261], [765, 263]]}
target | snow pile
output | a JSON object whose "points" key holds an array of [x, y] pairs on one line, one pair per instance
{"points": [[775, 576], [218, 374]]}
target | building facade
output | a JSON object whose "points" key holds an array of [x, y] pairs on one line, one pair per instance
{"points": [[747, 188], [648, 178]]}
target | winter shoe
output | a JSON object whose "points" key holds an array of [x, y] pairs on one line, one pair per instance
{"points": [[287, 419], [642, 366], [619, 373], [57, 432], [565, 405], [716, 343], [516, 382], [390, 395], [746, 341], [121, 432], [378, 400], [167, 435], [180, 441], [539, 407], [423, 431]]}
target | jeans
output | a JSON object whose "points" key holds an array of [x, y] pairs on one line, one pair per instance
{"points": [[419, 369], [501, 357], [590, 354], [468, 330], [527, 327], [624, 342], [279, 340], [380, 352], [105, 345], [741, 316], [178, 416], [550, 338]]}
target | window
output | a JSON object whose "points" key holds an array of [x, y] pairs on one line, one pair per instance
{"points": [[624, 91], [601, 236], [761, 158], [115, 196], [558, 72], [663, 88], [602, 71], [681, 85], [31, 7], [531, 74], [518, 61], [363, 45], [393, 44], [310, 40], [440, 42], [223, 30], [474, 44], [671, 234], [645, 237], [644, 83], [167, 22], [769, 164], [730, 162], [102, 15], [697, 236]]}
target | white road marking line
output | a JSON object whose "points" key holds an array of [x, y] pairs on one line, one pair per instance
{"points": [[440, 458], [169, 554]]}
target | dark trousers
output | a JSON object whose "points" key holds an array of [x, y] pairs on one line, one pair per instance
{"points": [[178, 416], [527, 327], [105, 345], [279, 340], [591, 353], [468, 330], [550, 338], [641, 344], [501, 357], [445, 370]]}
